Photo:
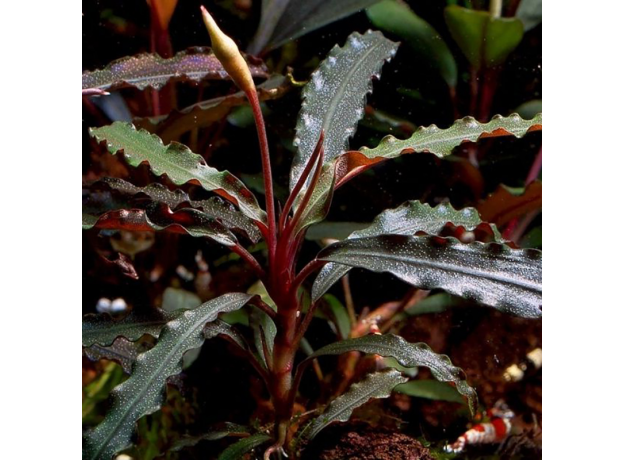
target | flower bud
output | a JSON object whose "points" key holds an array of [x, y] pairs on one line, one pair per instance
{"points": [[228, 54]]}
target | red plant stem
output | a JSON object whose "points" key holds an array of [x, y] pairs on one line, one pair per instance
{"points": [[266, 172], [247, 257], [257, 301]]}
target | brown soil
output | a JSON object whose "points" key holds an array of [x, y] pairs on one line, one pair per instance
{"points": [[362, 442]]}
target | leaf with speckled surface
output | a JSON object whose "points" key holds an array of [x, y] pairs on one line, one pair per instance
{"points": [[408, 355], [143, 392], [408, 219], [493, 274], [334, 98], [377, 385], [178, 163], [152, 71]]}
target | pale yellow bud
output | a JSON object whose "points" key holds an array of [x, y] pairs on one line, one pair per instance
{"points": [[228, 54]]}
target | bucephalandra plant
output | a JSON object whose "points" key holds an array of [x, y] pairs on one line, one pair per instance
{"points": [[405, 242]]}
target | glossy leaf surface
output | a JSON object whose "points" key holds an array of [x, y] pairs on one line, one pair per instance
{"points": [[178, 163], [143, 392], [334, 98], [407, 219], [408, 355], [152, 71], [507, 279], [397, 17], [485, 41], [377, 385]]}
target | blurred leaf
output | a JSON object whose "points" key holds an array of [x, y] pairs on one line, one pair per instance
{"points": [[143, 392], [178, 163], [339, 316], [334, 98], [529, 109], [376, 385], [164, 11], [237, 450], [507, 279], [174, 299], [408, 355], [333, 230], [504, 204], [407, 219], [98, 391], [285, 20], [533, 239], [396, 17], [530, 13], [152, 71], [215, 433], [436, 303], [430, 389], [432, 139], [485, 41]]}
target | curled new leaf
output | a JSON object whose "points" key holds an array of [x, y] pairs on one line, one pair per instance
{"points": [[377, 385], [407, 219], [152, 71], [143, 392], [507, 279], [334, 99], [432, 139], [178, 163], [407, 354]]}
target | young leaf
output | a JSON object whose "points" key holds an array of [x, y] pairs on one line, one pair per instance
{"points": [[237, 450], [285, 20], [430, 389], [102, 329], [178, 163], [396, 17], [335, 96], [214, 207], [407, 354], [320, 202], [152, 71], [160, 218], [486, 41], [142, 393], [432, 139], [377, 385], [507, 279], [408, 219]]}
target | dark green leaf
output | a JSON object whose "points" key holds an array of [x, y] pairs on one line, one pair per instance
{"points": [[142, 393], [377, 385], [121, 350], [334, 98], [486, 41], [339, 316], [218, 432], [430, 389], [178, 163], [285, 20], [245, 445], [507, 279], [408, 355], [333, 230], [396, 17], [407, 219], [152, 71]]}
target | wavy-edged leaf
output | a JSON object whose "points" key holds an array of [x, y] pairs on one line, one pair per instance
{"points": [[152, 71], [220, 327], [285, 20], [503, 205], [486, 41], [408, 355], [397, 17], [214, 207], [121, 350], [178, 163], [494, 274], [334, 98], [377, 385], [430, 389], [408, 219], [160, 218], [103, 329], [214, 434], [142, 393], [245, 445], [432, 139]]}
